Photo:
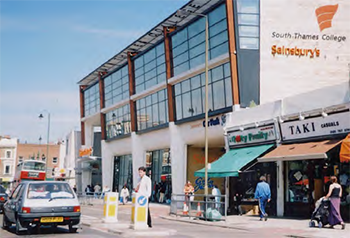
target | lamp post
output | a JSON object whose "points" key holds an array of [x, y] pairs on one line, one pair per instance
{"points": [[206, 91], [48, 138]]}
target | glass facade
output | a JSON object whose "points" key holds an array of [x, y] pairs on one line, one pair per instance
{"points": [[118, 122], [248, 23], [92, 100], [116, 86], [158, 166], [152, 110], [122, 173], [150, 68], [188, 44], [190, 94]]}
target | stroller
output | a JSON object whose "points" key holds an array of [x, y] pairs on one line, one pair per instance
{"points": [[320, 213]]}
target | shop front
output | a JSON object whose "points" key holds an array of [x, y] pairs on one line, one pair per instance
{"points": [[240, 168], [158, 168], [310, 155]]}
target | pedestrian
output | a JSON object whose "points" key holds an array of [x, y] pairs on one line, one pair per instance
{"points": [[124, 194], [188, 190], [88, 190], [263, 194], [334, 195], [144, 188], [75, 188], [216, 193], [97, 190], [162, 192]]}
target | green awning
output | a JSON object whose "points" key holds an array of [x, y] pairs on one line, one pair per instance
{"points": [[233, 161]]}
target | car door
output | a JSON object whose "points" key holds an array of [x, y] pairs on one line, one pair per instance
{"points": [[10, 206]]}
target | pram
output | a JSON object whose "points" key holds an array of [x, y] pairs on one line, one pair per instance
{"points": [[320, 213]]}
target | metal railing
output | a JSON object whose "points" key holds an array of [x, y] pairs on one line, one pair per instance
{"points": [[90, 198], [200, 206]]}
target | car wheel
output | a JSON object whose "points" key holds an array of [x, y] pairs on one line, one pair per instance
{"points": [[72, 229], [5, 222]]}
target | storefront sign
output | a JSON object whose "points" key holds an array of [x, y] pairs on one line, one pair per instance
{"points": [[313, 127], [85, 152], [214, 121], [260, 134]]}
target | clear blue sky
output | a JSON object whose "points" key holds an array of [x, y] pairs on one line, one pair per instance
{"points": [[47, 46]]}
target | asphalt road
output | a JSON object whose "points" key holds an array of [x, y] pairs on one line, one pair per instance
{"points": [[59, 232]]}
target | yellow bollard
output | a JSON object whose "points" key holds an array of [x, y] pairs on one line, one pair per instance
{"points": [[139, 212], [110, 207]]}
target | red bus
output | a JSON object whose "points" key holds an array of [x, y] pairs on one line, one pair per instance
{"points": [[30, 170]]}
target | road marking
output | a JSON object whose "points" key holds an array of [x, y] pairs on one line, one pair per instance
{"points": [[89, 217]]}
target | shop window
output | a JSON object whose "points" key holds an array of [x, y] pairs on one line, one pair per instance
{"points": [[158, 168], [123, 173]]}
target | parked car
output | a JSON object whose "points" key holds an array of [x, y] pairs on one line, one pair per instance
{"points": [[3, 198], [36, 203]]}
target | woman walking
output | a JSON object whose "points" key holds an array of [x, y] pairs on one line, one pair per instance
{"points": [[334, 195]]}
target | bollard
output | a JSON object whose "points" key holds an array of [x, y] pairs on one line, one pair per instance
{"points": [[110, 207], [139, 212]]}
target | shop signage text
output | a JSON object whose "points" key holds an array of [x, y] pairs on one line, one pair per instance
{"points": [[330, 125], [254, 135], [85, 152], [282, 50], [200, 183], [215, 121]]}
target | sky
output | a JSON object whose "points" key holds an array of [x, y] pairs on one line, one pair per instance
{"points": [[48, 46]]}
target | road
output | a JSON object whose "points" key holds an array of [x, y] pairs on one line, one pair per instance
{"points": [[59, 232]]}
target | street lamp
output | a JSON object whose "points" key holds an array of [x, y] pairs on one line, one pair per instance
{"points": [[180, 12], [48, 138]]}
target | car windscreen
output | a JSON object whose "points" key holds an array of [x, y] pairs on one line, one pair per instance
{"points": [[49, 191], [2, 189]]}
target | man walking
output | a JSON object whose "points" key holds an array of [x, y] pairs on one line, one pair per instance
{"points": [[263, 194], [144, 188]]}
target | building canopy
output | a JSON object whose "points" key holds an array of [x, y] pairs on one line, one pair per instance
{"points": [[230, 164]]}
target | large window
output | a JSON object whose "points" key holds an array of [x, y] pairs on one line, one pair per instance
{"points": [[92, 100], [118, 122], [152, 110], [158, 166], [190, 94], [122, 173], [116, 86], [150, 68], [248, 23], [189, 43]]}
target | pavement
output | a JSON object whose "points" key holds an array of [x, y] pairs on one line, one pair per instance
{"points": [[273, 227]]}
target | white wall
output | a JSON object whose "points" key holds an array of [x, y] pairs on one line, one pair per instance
{"points": [[282, 76]]}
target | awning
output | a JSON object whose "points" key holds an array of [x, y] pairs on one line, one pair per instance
{"points": [[302, 151], [230, 164], [88, 159], [344, 155]]}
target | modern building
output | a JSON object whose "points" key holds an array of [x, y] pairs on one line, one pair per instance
{"points": [[8, 150], [149, 99]]}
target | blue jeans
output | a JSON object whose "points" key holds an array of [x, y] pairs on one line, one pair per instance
{"points": [[262, 205]]}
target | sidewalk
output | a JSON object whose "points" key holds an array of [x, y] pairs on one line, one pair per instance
{"points": [[122, 227], [272, 228]]}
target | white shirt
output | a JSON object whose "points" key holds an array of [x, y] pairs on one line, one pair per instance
{"points": [[215, 191], [145, 186], [125, 192]]}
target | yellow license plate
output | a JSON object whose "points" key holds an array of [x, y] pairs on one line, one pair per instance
{"points": [[51, 219]]}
